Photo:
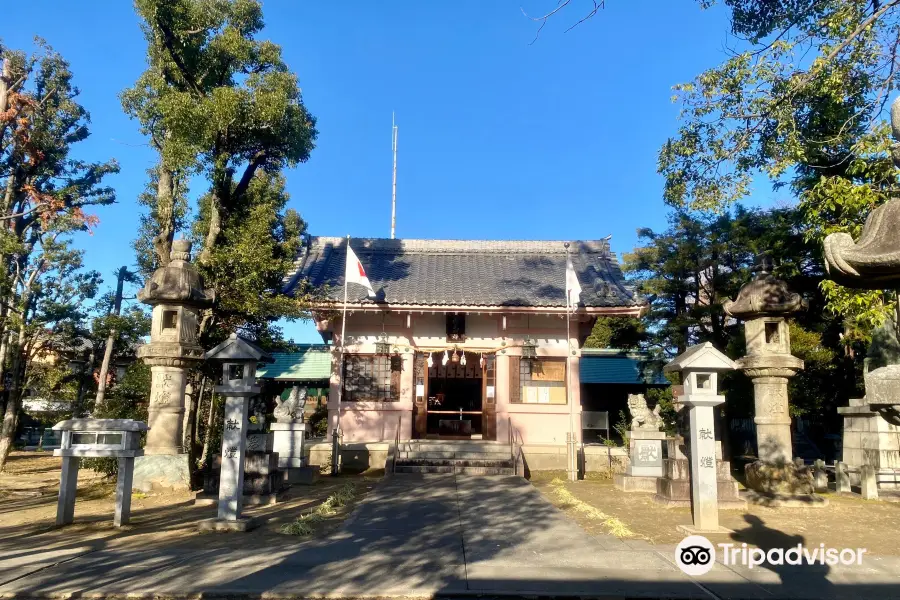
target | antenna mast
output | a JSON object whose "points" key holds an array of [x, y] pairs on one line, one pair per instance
{"points": [[394, 185]]}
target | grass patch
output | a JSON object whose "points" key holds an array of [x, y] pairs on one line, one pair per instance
{"points": [[304, 525], [613, 525]]}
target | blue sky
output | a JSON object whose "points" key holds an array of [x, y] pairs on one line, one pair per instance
{"points": [[499, 138]]}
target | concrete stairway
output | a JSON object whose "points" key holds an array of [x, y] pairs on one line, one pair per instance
{"points": [[469, 457]]}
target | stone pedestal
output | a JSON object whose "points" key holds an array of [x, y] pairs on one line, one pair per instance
{"points": [[868, 439], [773, 421], [646, 462], [166, 410], [288, 439], [673, 489], [162, 472]]}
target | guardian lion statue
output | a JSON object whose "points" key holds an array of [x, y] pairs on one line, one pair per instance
{"points": [[641, 416], [291, 410]]}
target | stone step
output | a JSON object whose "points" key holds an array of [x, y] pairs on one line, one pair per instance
{"points": [[439, 454], [473, 447], [455, 469], [454, 462]]}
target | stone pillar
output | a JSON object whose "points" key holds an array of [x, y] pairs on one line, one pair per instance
{"points": [[122, 513], [165, 416], [234, 446], [68, 486], [704, 487], [773, 421]]}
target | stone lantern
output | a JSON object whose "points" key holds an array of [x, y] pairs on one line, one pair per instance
{"points": [[700, 366], [872, 437], [238, 358], [763, 304], [177, 296]]}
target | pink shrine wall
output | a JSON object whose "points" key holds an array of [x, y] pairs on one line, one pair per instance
{"points": [[378, 421]]}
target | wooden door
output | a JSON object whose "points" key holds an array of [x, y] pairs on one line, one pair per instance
{"points": [[488, 400], [420, 405]]}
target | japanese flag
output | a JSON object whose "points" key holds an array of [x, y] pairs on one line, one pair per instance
{"points": [[355, 273], [573, 288]]}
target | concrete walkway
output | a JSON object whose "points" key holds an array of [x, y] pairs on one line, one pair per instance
{"points": [[427, 535]]}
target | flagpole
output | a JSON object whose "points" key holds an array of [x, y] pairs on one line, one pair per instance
{"points": [[343, 342], [572, 466]]}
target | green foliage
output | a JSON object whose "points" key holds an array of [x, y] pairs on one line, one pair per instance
{"points": [[124, 400], [623, 333], [254, 252], [303, 525], [802, 105], [623, 426], [318, 421]]}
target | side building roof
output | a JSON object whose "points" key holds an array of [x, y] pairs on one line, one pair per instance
{"points": [[452, 273]]}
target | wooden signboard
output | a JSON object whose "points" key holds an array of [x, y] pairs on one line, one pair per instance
{"points": [[546, 370]]}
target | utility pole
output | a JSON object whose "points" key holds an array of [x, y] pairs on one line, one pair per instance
{"points": [[394, 131], [122, 274]]}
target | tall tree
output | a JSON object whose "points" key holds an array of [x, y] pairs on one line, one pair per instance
{"points": [[217, 101], [45, 193]]}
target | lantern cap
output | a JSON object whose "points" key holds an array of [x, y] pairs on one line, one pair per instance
{"points": [[702, 357], [237, 348]]}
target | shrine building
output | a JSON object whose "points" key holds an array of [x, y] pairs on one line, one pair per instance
{"points": [[465, 339]]}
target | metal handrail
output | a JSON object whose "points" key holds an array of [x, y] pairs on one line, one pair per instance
{"points": [[396, 448]]}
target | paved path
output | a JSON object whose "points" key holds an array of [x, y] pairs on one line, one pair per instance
{"points": [[440, 535]]}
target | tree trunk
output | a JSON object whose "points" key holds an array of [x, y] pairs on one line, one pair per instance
{"points": [[210, 423], [110, 341], [11, 414], [215, 228], [165, 210]]}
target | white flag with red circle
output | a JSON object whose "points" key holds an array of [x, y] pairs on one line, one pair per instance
{"points": [[355, 273]]}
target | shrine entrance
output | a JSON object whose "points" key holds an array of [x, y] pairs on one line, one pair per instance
{"points": [[455, 396]]}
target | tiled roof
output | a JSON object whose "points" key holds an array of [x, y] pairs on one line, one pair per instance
{"points": [[465, 272], [311, 363]]}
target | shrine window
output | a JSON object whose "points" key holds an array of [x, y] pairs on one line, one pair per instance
{"points": [[542, 381], [374, 378]]}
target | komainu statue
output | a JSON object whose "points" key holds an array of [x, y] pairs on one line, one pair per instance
{"points": [[641, 416], [291, 410]]}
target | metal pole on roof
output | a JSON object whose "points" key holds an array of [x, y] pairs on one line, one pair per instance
{"points": [[394, 135], [335, 455], [571, 455]]}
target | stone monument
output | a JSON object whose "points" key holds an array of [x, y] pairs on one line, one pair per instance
{"points": [[289, 432], [645, 448], [700, 366], [873, 262], [109, 438], [177, 295], [239, 359], [763, 304]]}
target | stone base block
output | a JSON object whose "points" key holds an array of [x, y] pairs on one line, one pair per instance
{"points": [[730, 504], [692, 530], [779, 480], [301, 476], [249, 499], [632, 483], [162, 472], [241, 524], [288, 443], [775, 500]]}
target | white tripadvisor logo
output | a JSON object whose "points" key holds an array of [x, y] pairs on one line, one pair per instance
{"points": [[695, 555]]}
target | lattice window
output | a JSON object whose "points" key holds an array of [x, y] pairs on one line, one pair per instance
{"points": [[372, 377], [542, 381]]}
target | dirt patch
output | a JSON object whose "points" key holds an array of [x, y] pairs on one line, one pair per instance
{"points": [[158, 519], [847, 522]]}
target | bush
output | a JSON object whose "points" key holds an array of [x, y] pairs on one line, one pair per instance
{"points": [[318, 421]]}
